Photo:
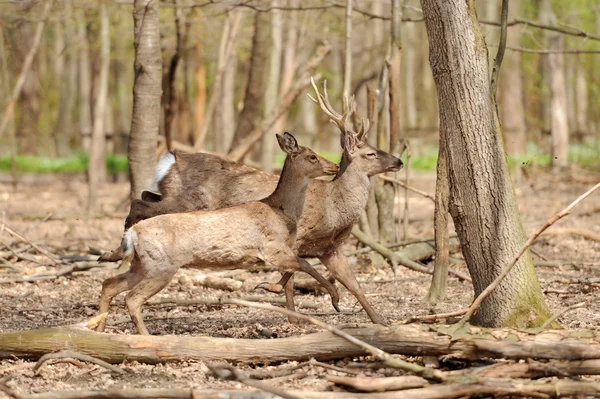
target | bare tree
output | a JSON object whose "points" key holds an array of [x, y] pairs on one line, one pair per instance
{"points": [[97, 166], [84, 83], [68, 87], [257, 80], [555, 75], [348, 49], [581, 99], [147, 92], [482, 200], [271, 95]]}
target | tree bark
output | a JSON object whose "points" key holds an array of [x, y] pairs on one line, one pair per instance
{"points": [[482, 200], [348, 50], [257, 80], [409, 340], [64, 124], [226, 111], [147, 91], [85, 84], [581, 99], [437, 290], [288, 68], [512, 105], [97, 165], [272, 91]]}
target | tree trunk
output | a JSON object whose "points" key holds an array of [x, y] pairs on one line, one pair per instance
{"points": [[409, 97], [85, 83], [257, 82], [482, 200], [97, 165], [146, 96], [437, 290], [348, 50], [226, 110], [408, 340], [512, 105], [581, 100], [68, 78], [371, 209], [271, 95], [558, 100], [287, 72]]}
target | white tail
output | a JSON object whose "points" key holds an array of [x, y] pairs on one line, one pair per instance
{"points": [[162, 168], [128, 244]]}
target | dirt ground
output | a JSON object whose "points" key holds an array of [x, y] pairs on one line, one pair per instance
{"points": [[71, 299]]}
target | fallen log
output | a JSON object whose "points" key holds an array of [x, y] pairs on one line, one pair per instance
{"points": [[411, 340], [490, 387]]}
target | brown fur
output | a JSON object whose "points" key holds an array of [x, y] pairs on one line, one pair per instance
{"points": [[264, 233]]}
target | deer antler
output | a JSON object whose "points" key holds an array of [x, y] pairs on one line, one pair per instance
{"points": [[349, 106]]}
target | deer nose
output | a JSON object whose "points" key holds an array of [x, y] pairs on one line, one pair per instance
{"points": [[398, 164]]}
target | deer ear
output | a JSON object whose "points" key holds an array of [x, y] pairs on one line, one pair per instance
{"points": [[288, 143], [349, 143]]}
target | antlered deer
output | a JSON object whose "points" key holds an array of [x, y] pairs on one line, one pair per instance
{"points": [[204, 181], [244, 236]]}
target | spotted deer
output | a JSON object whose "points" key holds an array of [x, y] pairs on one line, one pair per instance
{"points": [[247, 236], [205, 181]]}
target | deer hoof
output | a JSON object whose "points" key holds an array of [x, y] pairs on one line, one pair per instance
{"points": [[274, 288]]}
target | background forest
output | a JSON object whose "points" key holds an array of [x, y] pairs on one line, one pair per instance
{"points": [[203, 42]]}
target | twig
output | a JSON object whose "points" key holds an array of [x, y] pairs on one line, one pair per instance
{"points": [[562, 312], [227, 372], [407, 187], [314, 362], [426, 372], [69, 354], [434, 317], [485, 293], [43, 251], [550, 51]]}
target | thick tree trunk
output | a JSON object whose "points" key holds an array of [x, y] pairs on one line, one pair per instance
{"points": [[272, 92], [146, 96], [257, 80], [226, 111], [97, 166], [85, 83], [482, 200]]}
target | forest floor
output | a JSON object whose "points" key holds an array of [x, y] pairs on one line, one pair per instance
{"points": [[73, 298]]}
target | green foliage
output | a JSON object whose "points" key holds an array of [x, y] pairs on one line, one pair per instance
{"points": [[75, 163]]}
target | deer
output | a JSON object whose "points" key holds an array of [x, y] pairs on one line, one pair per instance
{"points": [[249, 236], [206, 181]]}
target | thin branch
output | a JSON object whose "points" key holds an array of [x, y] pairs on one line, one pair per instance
{"points": [[550, 51], [485, 293], [499, 54], [43, 251], [571, 31], [407, 187], [385, 357], [562, 312], [69, 354], [227, 372]]}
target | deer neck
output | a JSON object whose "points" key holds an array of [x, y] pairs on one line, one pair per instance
{"points": [[352, 187], [289, 195]]}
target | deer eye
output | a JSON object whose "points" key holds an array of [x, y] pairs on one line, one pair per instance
{"points": [[313, 157], [371, 155]]}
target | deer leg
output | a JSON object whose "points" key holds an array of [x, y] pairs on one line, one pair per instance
{"points": [[307, 268], [112, 287], [277, 287], [144, 290], [289, 296], [338, 266]]}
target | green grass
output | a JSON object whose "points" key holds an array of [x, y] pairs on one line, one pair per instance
{"points": [[75, 163], [424, 159]]}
